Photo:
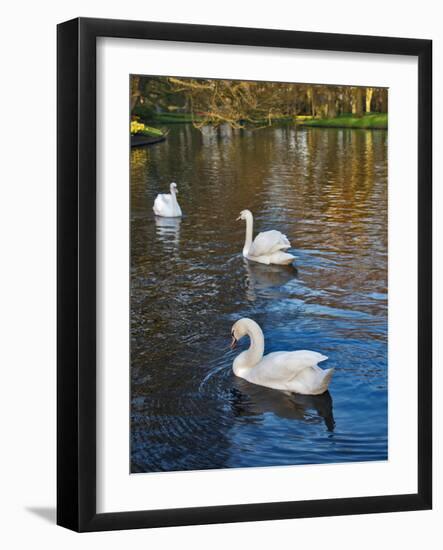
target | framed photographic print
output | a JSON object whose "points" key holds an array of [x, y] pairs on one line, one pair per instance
{"points": [[244, 274]]}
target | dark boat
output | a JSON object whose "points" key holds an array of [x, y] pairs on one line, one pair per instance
{"points": [[140, 140]]}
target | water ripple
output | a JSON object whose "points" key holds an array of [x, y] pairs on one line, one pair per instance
{"points": [[327, 191]]}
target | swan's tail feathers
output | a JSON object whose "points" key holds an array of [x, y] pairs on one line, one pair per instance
{"points": [[281, 258], [327, 378]]}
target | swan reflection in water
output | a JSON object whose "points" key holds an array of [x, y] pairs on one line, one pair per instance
{"points": [[253, 400], [168, 230], [260, 277]]}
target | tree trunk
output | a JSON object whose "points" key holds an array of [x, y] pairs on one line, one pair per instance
{"points": [[347, 103], [332, 109], [135, 91], [369, 94], [311, 100], [384, 100], [357, 97]]}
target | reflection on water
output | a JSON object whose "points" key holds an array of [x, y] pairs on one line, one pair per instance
{"points": [[327, 191], [261, 278], [168, 231], [251, 400]]}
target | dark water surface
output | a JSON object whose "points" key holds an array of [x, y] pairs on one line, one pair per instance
{"points": [[326, 189]]}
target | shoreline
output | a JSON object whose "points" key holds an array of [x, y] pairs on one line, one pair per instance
{"points": [[141, 141]]}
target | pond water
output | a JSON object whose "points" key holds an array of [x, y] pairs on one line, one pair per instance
{"points": [[326, 189]]}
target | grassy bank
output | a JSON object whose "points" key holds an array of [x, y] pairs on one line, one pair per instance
{"points": [[141, 129], [372, 120], [177, 118], [173, 118], [152, 132]]}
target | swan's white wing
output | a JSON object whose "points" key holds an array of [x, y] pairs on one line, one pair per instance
{"points": [[268, 242], [164, 198], [163, 204], [282, 366]]}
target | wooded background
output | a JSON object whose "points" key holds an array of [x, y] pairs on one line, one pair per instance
{"points": [[238, 102]]}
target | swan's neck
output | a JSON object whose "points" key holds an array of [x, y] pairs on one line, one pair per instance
{"points": [[174, 202], [254, 354], [248, 238]]}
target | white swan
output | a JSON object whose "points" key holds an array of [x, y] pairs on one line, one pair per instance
{"points": [[290, 371], [268, 247], [166, 205]]}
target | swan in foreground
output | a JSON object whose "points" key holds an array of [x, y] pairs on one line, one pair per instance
{"points": [[268, 247], [289, 371], [166, 204]]}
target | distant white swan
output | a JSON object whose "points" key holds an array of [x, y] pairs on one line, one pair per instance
{"points": [[166, 205], [289, 371], [268, 247]]}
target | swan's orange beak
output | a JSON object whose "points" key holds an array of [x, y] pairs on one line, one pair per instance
{"points": [[237, 219], [233, 344]]}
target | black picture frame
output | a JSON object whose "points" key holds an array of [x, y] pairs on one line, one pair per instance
{"points": [[76, 266]]}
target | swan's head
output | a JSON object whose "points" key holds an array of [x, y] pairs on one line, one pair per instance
{"points": [[244, 215], [173, 188], [241, 328]]}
